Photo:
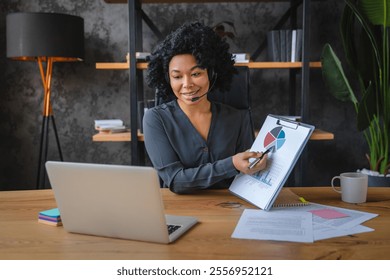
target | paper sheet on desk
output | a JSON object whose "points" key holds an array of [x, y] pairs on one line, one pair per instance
{"points": [[324, 228], [280, 226]]}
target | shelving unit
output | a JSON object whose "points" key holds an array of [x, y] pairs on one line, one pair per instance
{"points": [[251, 65], [318, 134], [135, 68]]}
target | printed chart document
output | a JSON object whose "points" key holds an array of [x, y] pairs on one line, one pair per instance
{"points": [[286, 139], [279, 226]]}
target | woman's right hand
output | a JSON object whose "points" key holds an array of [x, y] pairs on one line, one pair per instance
{"points": [[241, 162]]}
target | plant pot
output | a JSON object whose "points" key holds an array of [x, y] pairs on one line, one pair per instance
{"points": [[378, 181], [375, 179]]}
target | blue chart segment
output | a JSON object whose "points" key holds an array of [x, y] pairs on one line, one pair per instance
{"points": [[275, 138]]}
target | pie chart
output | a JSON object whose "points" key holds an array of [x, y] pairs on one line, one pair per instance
{"points": [[275, 138]]}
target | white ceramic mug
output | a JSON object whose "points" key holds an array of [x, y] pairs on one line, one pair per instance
{"points": [[353, 187]]}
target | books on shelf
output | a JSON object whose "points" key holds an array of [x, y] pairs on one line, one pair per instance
{"points": [[241, 57], [298, 46], [142, 56], [288, 44], [110, 126], [284, 45], [293, 45], [273, 39]]}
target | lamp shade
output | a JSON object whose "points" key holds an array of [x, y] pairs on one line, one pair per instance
{"points": [[32, 35]]}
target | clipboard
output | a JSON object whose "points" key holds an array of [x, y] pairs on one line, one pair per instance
{"points": [[287, 139]]}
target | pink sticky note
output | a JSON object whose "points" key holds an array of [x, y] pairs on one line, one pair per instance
{"points": [[328, 213]]}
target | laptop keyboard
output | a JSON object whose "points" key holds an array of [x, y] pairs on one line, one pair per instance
{"points": [[172, 228]]}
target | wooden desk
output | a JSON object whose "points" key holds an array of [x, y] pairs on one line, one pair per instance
{"points": [[22, 237]]}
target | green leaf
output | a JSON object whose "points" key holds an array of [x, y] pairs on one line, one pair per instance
{"points": [[367, 108], [377, 11], [359, 51], [334, 76], [367, 28], [348, 36]]}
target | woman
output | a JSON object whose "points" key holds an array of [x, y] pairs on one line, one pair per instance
{"points": [[194, 143]]}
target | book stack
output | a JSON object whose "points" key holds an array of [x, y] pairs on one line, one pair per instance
{"points": [[50, 217], [140, 56], [284, 45], [241, 57], [110, 126]]}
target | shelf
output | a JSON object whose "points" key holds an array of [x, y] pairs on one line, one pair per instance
{"points": [[278, 65], [319, 134], [251, 65], [118, 65], [116, 137], [189, 1], [125, 136]]}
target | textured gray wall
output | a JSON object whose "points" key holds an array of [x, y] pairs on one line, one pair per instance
{"points": [[82, 94]]}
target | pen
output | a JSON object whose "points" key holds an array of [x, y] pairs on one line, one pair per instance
{"points": [[260, 158]]}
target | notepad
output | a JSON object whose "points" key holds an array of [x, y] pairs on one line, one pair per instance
{"points": [[50, 217]]}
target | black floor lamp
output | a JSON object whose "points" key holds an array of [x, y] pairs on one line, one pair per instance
{"points": [[45, 38]]}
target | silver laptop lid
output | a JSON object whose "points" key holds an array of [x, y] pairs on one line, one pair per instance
{"points": [[109, 200]]}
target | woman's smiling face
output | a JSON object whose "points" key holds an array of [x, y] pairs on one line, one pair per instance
{"points": [[188, 79]]}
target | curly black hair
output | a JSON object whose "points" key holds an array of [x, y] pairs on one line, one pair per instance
{"points": [[210, 51]]}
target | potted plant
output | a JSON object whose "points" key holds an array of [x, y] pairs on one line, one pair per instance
{"points": [[364, 30]]}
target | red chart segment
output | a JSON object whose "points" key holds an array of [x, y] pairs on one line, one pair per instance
{"points": [[275, 138]]}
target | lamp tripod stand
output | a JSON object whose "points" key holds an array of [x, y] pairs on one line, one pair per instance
{"points": [[45, 38], [47, 116]]}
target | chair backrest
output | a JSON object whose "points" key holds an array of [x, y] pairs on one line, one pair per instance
{"points": [[238, 96]]}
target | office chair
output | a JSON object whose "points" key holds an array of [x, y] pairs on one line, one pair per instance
{"points": [[238, 96]]}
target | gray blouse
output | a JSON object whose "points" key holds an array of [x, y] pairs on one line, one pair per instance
{"points": [[184, 160]]}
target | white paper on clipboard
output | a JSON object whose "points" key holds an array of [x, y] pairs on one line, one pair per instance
{"points": [[287, 139]]}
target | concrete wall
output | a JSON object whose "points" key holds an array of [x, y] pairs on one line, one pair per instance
{"points": [[82, 94]]}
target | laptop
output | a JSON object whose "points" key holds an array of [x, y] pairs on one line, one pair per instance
{"points": [[113, 201]]}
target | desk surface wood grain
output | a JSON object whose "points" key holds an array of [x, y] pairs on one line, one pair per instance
{"points": [[22, 237]]}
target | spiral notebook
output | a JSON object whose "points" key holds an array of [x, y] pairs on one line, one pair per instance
{"points": [[287, 198]]}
